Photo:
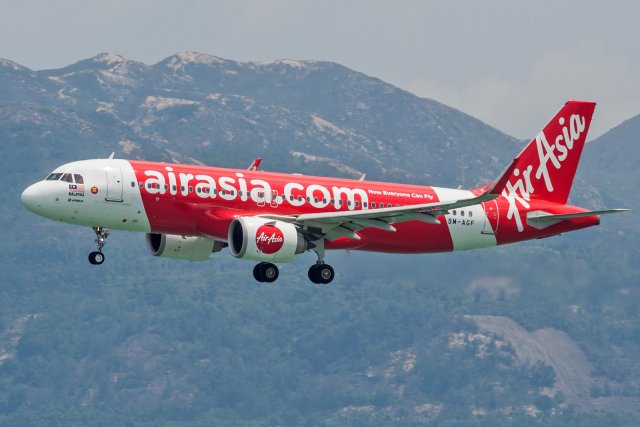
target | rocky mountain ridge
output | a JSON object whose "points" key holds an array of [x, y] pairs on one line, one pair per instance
{"points": [[314, 116]]}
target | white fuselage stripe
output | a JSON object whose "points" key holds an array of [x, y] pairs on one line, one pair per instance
{"points": [[467, 224]]}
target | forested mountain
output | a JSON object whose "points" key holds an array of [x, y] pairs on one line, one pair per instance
{"points": [[543, 332]]}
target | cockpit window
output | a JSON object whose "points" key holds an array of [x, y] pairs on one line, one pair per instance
{"points": [[54, 176], [67, 177], [78, 178]]}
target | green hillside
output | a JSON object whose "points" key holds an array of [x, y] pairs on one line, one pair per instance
{"points": [[541, 333]]}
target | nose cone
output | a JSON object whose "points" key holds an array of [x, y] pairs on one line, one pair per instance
{"points": [[32, 199]]}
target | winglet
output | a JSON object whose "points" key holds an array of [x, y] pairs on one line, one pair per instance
{"points": [[500, 183], [255, 164], [112, 155]]}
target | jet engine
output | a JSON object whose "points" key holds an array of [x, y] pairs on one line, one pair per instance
{"points": [[192, 248], [261, 239]]}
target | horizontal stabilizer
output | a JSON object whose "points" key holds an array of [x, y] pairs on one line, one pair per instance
{"points": [[541, 219]]}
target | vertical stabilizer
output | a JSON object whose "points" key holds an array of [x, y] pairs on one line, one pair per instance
{"points": [[547, 166]]}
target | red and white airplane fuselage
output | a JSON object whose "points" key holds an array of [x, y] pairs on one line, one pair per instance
{"points": [[190, 211]]}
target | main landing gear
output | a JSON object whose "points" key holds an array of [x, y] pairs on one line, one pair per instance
{"points": [[319, 273], [265, 272], [97, 257]]}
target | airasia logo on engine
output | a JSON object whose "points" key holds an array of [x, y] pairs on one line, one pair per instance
{"points": [[269, 239]]}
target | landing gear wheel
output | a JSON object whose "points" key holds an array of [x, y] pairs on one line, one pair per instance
{"points": [[321, 273], [270, 272], [257, 272], [312, 273], [266, 272], [325, 273], [96, 258]]}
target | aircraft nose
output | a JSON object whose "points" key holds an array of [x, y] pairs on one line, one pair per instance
{"points": [[31, 198]]}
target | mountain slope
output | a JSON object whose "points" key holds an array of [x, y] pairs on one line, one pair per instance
{"points": [[315, 117], [610, 159], [149, 341]]}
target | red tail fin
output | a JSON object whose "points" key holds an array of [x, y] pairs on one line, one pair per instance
{"points": [[547, 166]]}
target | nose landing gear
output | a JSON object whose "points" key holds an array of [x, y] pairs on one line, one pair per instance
{"points": [[97, 257]]}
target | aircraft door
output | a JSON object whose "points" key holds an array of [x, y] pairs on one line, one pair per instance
{"points": [[114, 184], [493, 217]]}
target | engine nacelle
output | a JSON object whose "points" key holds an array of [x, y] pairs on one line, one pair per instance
{"points": [[192, 248], [263, 239]]}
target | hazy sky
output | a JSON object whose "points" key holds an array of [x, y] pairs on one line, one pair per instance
{"points": [[511, 64]]}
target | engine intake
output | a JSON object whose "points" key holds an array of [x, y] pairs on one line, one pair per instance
{"points": [[192, 248], [262, 239]]}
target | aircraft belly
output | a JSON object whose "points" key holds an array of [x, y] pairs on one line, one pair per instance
{"points": [[409, 237]]}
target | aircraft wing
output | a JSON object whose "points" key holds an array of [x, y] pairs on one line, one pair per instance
{"points": [[332, 225]]}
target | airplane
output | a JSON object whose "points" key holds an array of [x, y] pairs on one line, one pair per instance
{"points": [[189, 211]]}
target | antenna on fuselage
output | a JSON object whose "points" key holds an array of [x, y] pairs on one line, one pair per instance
{"points": [[112, 154]]}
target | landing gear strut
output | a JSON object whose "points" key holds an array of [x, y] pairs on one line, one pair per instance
{"points": [[265, 272], [321, 273], [97, 257]]}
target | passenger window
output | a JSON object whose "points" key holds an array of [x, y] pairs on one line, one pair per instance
{"points": [[461, 213], [470, 214], [454, 212], [357, 204], [373, 205], [78, 178]]}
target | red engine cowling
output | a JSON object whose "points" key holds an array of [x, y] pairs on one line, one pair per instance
{"points": [[192, 248], [262, 239]]}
